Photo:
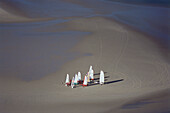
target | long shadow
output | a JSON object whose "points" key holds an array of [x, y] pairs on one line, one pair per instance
{"points": [[99, 78], [99, 73], [110, 82], [94, 84]]}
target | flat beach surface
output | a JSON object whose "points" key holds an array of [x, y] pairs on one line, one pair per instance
{"points": [[136, 67]]}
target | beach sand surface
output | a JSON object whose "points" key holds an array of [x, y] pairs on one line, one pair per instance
{"points": [[10, 17], [136, 75]]}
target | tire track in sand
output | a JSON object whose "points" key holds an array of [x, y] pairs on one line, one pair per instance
{"points": [[98, 64], [122, 51], [161, 75], [132, 81], [115, 62]]}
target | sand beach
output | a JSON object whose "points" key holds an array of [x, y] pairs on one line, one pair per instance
{"points": [[136, 67]]}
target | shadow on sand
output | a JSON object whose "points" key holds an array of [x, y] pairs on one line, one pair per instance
{"points": [[99, 73], [104, 77], [94, 84], [109, 82]]}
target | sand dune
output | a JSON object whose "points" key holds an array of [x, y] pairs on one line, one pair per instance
{"points": [[135, 70]]}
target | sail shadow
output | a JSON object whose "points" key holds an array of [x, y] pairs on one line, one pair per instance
{"points": [[94, 84], [99, 73], [99, 78], [110, 82]]}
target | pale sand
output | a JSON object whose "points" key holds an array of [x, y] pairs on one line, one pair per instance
{"points": [[5, 16], [124, 54], [8, 17]]}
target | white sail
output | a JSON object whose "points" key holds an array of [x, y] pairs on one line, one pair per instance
{"points": [[91, 74], [85, 81], [76, 79], [90, 68], [79, 76], [101, 77], [72, 83], [67, 80]]}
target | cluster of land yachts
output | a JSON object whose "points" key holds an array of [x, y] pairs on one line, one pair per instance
{"points": [[88, 79]]}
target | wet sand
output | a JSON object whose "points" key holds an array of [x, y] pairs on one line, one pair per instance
{"points": [[136, 71]]}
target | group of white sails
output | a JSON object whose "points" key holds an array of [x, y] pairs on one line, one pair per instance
{"points": [[76, 80]]}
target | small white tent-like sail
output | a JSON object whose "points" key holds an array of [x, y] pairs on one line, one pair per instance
{"points": [[72, 83], [76, 79], [67, 80], [101, 77], [90, 68], [91, 74], [85, 81], [79, 76]]}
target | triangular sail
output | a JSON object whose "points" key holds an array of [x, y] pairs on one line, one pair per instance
{"points": [[72, 83], [79, 76], [85, 81], [101, 77], [90, 68], [91, 73], [76, 79], [67, 80], [88, 77]]}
